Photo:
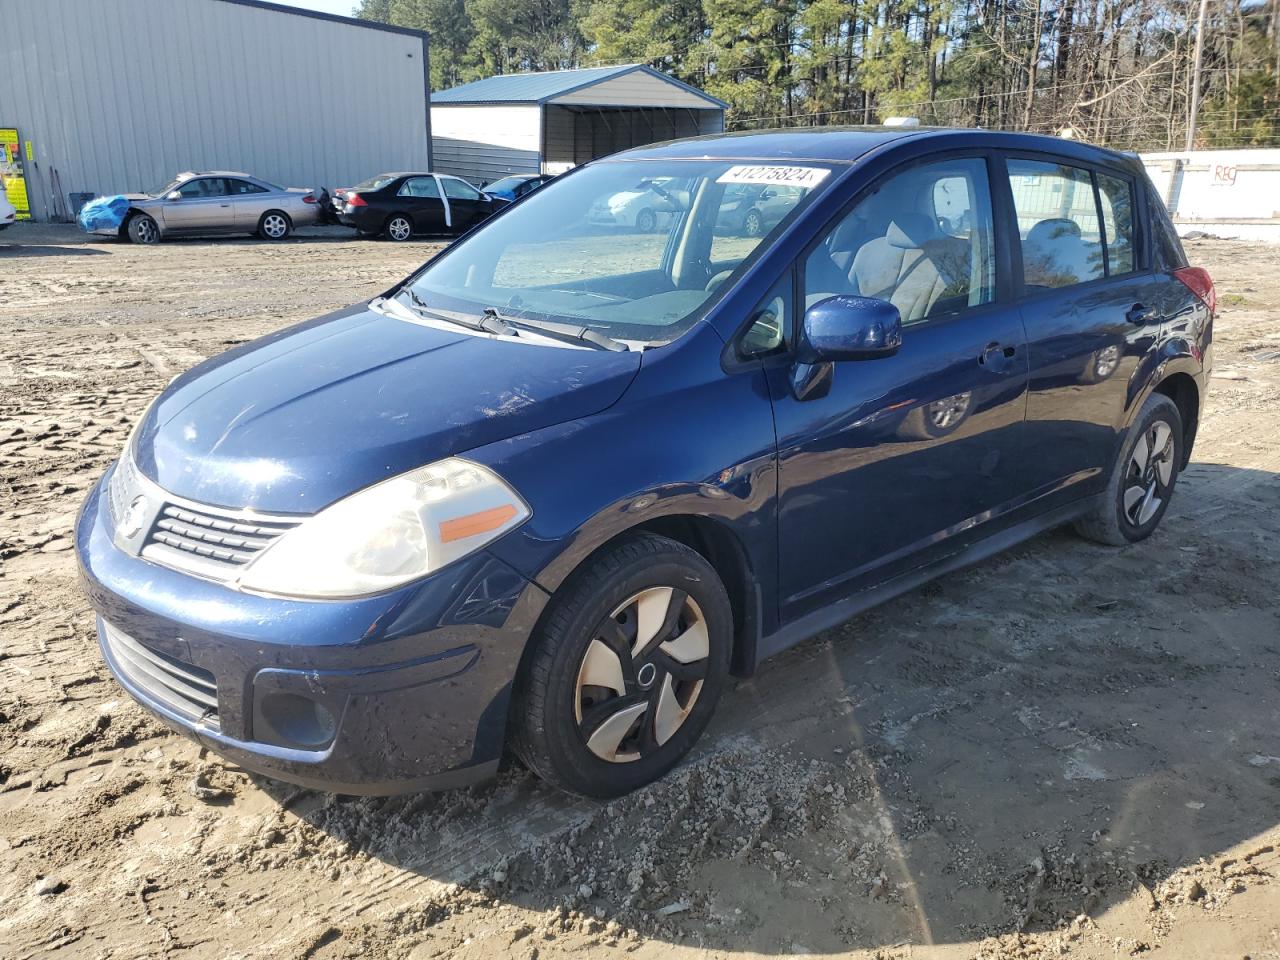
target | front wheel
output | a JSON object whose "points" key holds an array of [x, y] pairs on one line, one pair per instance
{"points": [[626, 669], [1142, 478], [753, 224], [274, 225], [646, 220], [143, 229]]}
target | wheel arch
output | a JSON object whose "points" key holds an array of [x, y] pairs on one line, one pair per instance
{"points": [[716, 543], [1182, 389]]}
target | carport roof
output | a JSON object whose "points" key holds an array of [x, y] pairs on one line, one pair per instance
{"points": [[545, 87]]}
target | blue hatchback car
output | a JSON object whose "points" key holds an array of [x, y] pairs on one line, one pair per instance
{"points": [[553, 489]]}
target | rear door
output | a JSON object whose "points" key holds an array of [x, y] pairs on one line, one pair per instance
{"points": [[420, 198], [1092, 308], [202, 207], [910, 456]]}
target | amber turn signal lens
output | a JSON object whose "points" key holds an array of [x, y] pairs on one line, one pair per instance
{"points": [[459, 528]]}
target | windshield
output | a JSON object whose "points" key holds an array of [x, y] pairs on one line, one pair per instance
{"points": [[635, 249], [166, 189], [374, 183]]}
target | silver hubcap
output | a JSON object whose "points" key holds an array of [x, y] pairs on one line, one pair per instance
{"points": [[641, 674], [1149, 473], [949, 411], [146, 230], [274, 226], [399, 229]]}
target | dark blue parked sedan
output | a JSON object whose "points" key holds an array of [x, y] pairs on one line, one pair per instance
{"points": [[554, 488]]}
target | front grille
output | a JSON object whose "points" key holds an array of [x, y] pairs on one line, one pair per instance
{"points": [[216, 542], [184, 688]]}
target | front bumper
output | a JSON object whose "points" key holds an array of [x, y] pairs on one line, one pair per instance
{"points": [[415, 682]]}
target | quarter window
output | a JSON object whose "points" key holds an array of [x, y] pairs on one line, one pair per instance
{"points": [[243, 187], [420, 187], [921, 240], [1116, 197], [1058, 224]]}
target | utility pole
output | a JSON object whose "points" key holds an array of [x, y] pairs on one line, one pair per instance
{"points": [[1195, 78]]}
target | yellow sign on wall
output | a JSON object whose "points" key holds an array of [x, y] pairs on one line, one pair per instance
{"points": [[11, 173]]}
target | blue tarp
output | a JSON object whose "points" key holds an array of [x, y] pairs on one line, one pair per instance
{"points": [[104, 213]]}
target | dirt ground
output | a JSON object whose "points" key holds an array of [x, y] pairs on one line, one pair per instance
{"points": [[1066, 751]]}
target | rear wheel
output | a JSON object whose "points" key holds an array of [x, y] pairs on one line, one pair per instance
{"points": [[274, 225], [627, 669], [143, 229], [753, 224], [399, 228], [1142, 479]]}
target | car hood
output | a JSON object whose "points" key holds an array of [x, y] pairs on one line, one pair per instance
{"points": [[299, 419]]}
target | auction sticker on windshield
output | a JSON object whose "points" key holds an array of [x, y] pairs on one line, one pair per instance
{"points": [[783, 176]]}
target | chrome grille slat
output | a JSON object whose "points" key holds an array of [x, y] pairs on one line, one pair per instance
{"points": [[218, 542], [183, 687]]}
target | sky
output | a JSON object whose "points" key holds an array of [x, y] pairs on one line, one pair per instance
{"points": [[340, 7]]}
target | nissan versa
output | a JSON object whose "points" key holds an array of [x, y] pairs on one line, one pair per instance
{"points": [[554, 488]]}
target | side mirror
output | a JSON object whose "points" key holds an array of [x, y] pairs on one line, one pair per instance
{"points": [[849, 328], [173, 195]]}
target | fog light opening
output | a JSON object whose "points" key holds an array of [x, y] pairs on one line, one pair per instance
{"points": [[298, 719]]}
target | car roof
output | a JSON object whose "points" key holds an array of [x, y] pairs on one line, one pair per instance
{"points": [[841, 144], [214, 173]]}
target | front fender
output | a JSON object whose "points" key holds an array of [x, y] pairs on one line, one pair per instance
{"points": [[686, 440]]}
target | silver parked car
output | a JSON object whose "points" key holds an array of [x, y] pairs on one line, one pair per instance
{"points": [[217, 201]]}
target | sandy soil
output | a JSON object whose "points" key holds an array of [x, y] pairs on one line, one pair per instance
{"points": [[1066, 751]]}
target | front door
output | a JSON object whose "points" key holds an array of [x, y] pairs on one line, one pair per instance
{"points": [[467, 205], [910, 455], [1091, 312], [202, 206]]}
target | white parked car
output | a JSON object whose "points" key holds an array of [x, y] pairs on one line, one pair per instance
{"points": [[647, 206], [7, 213]]}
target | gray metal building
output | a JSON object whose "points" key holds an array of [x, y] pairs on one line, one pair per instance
{"points": [[116, 96], [549, 122]]}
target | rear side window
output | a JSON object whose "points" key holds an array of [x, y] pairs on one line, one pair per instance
{"points": [[1116, 197], [1058, 224], [420, 187]]}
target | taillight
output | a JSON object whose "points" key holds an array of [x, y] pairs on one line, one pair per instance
{"points": [[1198, 281], [309, 198], [355, 200]]}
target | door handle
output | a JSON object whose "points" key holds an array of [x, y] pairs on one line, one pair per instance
{"points": [[1139, 314], [996, 356]]}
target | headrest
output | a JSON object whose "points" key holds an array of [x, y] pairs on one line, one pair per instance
{"points": [[910, 231], [1053, 229]]}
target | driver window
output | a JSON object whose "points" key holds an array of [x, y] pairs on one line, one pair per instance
{"points": [[921, 240], [204, 187]]}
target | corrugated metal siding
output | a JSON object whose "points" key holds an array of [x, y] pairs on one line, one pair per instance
{"points": [[118, 97], [638, 89], [483, 143], [574, 135]]}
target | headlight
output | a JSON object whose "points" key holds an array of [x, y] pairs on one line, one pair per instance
{"points": [[390, 533]]}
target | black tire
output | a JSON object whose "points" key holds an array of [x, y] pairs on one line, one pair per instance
{"points": [[753, 224], [399, 227], [143, 229], [548, 733], [1117, 519], [646, 220], [275, 225]]}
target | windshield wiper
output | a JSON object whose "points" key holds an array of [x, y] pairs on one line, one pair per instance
{"points": [[487, 323], [569, 331]]}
